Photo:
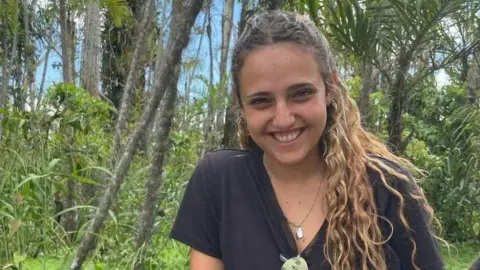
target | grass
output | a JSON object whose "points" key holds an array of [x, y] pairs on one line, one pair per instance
{"points": [[460, 257]]}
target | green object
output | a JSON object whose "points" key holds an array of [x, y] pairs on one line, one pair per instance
{"points": [[296, 263]]}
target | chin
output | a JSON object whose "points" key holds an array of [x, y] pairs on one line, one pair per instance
{"points": [[289, 159]]}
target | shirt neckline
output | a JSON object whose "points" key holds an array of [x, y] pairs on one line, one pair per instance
{"points": [[276, 219]]}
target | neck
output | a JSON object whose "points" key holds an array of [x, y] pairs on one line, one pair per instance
{"points": [[311, 168]]}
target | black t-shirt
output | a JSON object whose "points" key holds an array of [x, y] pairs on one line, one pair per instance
{"points": [[229, 212]]}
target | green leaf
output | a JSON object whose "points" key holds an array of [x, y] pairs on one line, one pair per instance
{"points": [[81, 179], [30, 178], [18, 258], [52, 164]]}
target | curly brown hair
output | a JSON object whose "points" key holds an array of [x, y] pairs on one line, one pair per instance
{"points": [[352, 215]]}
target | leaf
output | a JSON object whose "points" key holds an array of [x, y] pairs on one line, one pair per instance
{"points": [[52, 164], [118, 10], [80, 179], [5, 214], [72, 209], [28, 179], [9, 206], [10, 266], [18, 258], [105, 170]]}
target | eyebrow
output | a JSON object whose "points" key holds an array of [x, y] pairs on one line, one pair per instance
{"points": [[290, 88]]}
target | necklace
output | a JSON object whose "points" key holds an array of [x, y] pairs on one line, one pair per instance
{"points": [[299, 231]]}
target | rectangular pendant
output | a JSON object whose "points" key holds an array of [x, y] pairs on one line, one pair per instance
{"points": [[299, 233]]}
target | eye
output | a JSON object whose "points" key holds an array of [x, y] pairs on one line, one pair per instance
{"points": [[259, 101], [303, 93]]}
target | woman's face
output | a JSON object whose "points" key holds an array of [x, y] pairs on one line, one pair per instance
{"points": [[283, 99]]}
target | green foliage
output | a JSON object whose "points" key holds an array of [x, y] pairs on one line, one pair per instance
{"points": [[460, 257], [9, 14], [64, 142], [118, 10], [446, 145]]}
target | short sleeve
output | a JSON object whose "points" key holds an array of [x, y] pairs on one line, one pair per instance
{"points": [[427, 251], [197, 221]]}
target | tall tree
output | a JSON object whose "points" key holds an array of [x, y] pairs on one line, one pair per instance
{"points": [[383, 34], [28, 87], [10, 29], [91, 50], [231, 114], [127, 95], [67, 63], [178, 39], [414, 38], [208, 134], [118, 42], [227, 24], [473, 83], [154, 183]]}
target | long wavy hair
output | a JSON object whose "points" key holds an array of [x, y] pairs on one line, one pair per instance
{"points": [[353, 232]]}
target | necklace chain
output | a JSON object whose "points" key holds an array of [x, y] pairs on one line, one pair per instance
{"points": [[299, 227], [309, 211]]}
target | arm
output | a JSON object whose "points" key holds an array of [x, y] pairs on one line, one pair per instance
{"points": [[197, 222], [201, 261]]}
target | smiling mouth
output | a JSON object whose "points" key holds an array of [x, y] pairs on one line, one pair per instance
{"points": [[286, 137]]}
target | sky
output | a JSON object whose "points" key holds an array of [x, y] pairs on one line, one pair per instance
{"points": [[54, 75]]}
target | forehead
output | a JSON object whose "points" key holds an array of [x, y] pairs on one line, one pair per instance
{"points": [[276, 67]]}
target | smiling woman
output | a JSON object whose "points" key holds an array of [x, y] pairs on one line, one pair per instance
{"points": [[310, 188], [283, 102]]}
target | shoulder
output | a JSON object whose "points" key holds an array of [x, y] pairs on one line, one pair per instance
{"points": [[222, 164], [227, 156], [225, 159]]}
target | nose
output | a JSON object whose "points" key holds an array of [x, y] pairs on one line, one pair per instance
{"points": [[284, 117]]}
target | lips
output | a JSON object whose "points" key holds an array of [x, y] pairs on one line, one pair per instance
{"points": [[286, 137]]}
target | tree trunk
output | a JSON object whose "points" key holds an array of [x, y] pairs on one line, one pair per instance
{"points": [[397, 107], [154, 183], [178, 40], [156, 63], [231, 114], [118, 46], [29, 67], [463, 75], [66, 47], [91, 49], [142, 95], [67, 43], [7, 65], [208, 129], [132, 75], [473, 80], [368, 84], [227, 21]]}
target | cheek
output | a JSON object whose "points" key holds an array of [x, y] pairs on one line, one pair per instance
{"points": [[315, 112], [256, 121]]}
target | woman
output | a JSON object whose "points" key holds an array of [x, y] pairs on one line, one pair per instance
{"points": [[311, 189]]}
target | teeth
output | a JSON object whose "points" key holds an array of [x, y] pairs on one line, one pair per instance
{"points": [[287, 137]]}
